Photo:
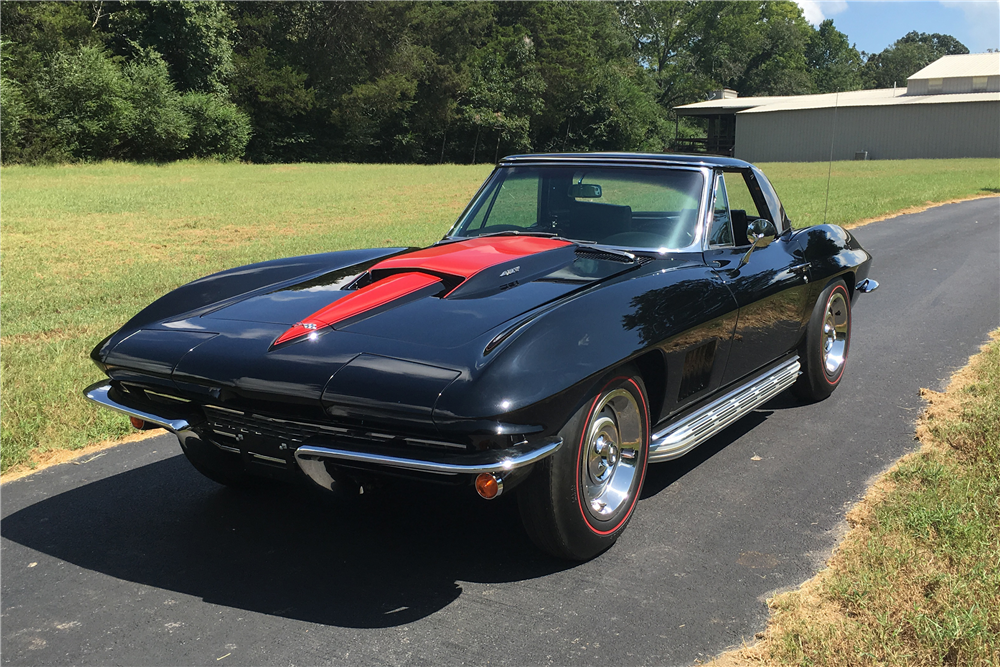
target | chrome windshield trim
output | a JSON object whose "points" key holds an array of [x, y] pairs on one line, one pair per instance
{"points": [[99, 393], [493, 461]]}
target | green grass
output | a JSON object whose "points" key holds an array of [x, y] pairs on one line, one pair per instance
{"points": [[863, 190], [85, 247], [917, 580]]}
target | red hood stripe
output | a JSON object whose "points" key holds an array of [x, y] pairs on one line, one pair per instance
{"points": [[365, 299], [462, 259], [467, 258]]}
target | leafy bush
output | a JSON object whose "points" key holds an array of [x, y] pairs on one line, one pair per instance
{"points": [[157, 127], [84, 97], [218, 128]]}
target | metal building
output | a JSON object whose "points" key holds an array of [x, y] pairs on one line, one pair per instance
{"points": [[949, 109]]}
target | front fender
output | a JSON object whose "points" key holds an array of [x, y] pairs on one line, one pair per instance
{"points": [[234, 282], [549, 364]]}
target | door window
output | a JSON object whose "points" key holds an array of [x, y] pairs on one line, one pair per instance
{"points": [[720, 232]]}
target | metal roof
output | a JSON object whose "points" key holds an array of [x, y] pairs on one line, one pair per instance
{"points": [[969, 64], [854, 98], [737, 104], [843, 100]]}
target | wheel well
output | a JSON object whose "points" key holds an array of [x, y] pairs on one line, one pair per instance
{"points": [[653, 369]]}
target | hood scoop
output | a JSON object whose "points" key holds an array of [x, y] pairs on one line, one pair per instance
{"points": [[462, 270]]}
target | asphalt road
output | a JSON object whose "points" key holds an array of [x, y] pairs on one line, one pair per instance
{"points": [[132, 558]]}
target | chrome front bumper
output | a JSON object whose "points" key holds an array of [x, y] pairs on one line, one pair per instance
{"points": [[312, 460], [100, 393]]}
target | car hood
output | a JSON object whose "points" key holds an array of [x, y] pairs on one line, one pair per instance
{"points": [[442, 296], [374, 339]]}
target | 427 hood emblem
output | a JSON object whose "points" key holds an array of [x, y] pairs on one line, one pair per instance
{"points": [[510, 272]]}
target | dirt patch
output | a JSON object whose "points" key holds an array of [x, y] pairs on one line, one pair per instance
{"points": [[915, 209], [42, 460]]}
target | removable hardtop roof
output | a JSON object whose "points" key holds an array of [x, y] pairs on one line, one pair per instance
{"points": [[629, 158]]}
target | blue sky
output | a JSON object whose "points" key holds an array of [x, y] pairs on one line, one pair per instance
{"points": [[872, 26]]}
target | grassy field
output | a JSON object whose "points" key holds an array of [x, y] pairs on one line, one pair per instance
{"points": [[917, 579], [83, 248]]}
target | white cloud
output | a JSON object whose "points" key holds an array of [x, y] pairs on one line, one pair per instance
{"points": [[816, 11], [982, 20]]}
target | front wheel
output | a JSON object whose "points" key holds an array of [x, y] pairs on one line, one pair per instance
{"points": [[220, 467], [827, 342], [577, 502]]}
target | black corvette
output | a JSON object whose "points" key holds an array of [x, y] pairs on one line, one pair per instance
{"points": [[586, 316]]}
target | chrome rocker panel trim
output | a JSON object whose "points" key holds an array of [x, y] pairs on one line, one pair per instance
{"points": [[311, 460], [682, 436], [99, 393]]}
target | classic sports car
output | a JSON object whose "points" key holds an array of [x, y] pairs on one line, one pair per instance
{"points": [[587, 315]]}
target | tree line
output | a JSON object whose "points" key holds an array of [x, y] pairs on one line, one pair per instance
{"points": [[398, 81]]}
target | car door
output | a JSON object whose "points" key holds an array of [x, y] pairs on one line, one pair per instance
{"points": [[771, 288]]}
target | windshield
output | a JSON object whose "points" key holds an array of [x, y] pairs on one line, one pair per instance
{"points": [[652, 208]]}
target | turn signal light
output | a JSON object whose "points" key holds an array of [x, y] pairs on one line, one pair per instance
{"points": [[138, 423], [489, 486]]}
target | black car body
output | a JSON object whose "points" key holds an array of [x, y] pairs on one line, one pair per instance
{"points": [[587, 315]]}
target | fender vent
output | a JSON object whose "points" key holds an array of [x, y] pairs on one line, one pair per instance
{"points": [[697, 369]]}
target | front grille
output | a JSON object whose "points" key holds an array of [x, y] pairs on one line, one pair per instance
{"points": [[237, 425]]}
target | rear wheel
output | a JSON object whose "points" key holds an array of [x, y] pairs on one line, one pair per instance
{"points": [[827, 342], [578, 501]]}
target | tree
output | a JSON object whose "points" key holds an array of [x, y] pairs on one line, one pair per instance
{"points": [[833, 63], [506, 92], [192, 37], [33, 34], [663, 35], [907, 55], [755, 48]]}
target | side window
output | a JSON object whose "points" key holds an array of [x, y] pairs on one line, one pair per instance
{"points": [[742, 206], [720, 232]]}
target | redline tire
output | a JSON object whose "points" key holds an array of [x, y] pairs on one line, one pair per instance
{"points": [[826, 345], [578, 502]]}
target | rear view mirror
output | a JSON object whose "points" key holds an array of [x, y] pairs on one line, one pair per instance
{"points": [[585, 191]]}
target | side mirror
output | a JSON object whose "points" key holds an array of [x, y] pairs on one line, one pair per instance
{"points": [[760, 234]]}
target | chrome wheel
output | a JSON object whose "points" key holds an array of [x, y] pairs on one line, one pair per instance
{"points": [[611, 450], [836, 328]]}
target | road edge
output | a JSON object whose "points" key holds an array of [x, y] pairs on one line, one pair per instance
{"points": [[53, 457], [754, 653]]}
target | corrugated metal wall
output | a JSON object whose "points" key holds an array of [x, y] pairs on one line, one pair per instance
{"points": [[891, 132]]}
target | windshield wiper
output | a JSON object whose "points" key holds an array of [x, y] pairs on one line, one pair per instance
{"points": [[519, 232], [593, 246]]}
